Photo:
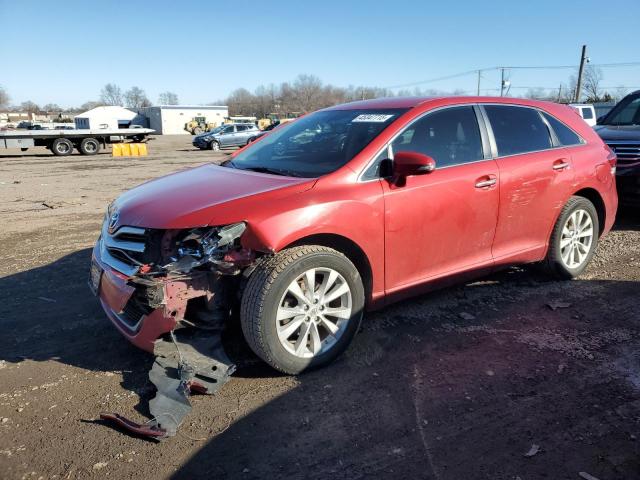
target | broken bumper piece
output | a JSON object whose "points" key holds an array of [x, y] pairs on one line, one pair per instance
{"points": [[189, 361]]}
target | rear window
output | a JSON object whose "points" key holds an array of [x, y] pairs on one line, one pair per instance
{"points": [[565, 135], [517, 129]]}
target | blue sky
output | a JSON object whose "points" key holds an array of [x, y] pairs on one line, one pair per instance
{"points": [[65, 51]]}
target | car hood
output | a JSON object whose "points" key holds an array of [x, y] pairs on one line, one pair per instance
{"points": [[622, 132], [190, 198]]}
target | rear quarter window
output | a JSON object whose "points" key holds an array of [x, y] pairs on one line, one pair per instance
{"points": [[565, 135], [517, 129]]}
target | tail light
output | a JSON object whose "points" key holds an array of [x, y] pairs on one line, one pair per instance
{"points": [[612, 159]]}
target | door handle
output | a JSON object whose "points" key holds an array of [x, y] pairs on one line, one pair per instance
{"points": [[486, 183], [561, 164]]}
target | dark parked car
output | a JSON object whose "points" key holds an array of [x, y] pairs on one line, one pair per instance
{"points": [[235, 135], [620, 130]]}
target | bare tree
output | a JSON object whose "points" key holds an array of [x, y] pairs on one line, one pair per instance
{"points": [[136, 98], [111, 94], [591, 84], [168, 98], [52, 108], [241, 102], [306, 93], [4, 98], [90, 105], [29, 107]]}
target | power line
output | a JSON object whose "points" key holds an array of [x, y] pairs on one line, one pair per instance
{"points": [[477, 71]]}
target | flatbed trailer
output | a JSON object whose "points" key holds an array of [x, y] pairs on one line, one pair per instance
{"points": [[62, 142]]}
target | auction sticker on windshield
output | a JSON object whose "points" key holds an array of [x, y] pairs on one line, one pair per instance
{"points": [[372, 117]]}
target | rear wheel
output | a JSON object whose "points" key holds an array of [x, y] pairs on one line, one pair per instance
{"points": [[302, 307], [89, 146], [61, 147], [574, 239]]}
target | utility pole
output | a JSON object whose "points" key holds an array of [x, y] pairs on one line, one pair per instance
{"points": [[583, 58], [560, 93], [502, 84], [479, 76]]}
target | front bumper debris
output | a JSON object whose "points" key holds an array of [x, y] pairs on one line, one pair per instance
{"points": [[190, 361], [175, 307]]}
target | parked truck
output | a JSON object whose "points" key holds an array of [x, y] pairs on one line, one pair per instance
{"points": [[62, 142]]}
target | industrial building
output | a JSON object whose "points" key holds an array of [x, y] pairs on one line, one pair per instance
{"points": [[108, 118], [171, 119]]}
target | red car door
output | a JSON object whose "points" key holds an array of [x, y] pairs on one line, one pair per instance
{"points": [[535, 181], [442, 222]]}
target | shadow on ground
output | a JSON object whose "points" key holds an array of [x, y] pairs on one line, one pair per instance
{"points": [[458, 384]]}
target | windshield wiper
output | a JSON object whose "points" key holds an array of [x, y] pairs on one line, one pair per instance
{"points": [[272, 171], [228, 163]]}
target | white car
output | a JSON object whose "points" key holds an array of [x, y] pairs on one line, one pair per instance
{"points": [[586, 111]]}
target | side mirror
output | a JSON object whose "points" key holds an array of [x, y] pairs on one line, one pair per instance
{"points": [[406, 164]]}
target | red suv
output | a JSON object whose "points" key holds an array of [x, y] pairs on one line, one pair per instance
{"points": [[350, 208]]}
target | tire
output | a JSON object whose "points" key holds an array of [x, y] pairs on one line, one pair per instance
{"points": [[89, 146], [566, 238], [61, 147], [268, 291], [250, 140], [24, 149], [215, 146], [197, 131]]}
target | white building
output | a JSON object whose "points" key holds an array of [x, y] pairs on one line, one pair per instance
{"points": [[171, 119], [108, 118]]}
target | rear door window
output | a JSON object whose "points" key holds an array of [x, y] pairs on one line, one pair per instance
{"points": [[565, 135], [517, 129], [450, 136]]}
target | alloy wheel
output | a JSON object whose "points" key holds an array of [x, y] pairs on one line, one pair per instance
{"points": [[576, 239], [313, 312]]}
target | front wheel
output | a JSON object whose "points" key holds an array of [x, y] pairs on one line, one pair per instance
{"points": [[302, 307], [215, 146], [574, 239]]}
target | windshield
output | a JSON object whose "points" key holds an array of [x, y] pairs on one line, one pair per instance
{"points": [[627, 112], [215, 130], [317, 144]]}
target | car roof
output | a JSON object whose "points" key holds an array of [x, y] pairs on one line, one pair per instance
{"points": [[412, 102]]}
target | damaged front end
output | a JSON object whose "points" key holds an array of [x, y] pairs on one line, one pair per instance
{"points": [[170, 292]]}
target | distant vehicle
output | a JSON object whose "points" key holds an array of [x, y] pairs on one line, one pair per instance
{"points": [[62, 142], [620, 130], [277, 119], [233, 135], [198, 125], [586, 111]]}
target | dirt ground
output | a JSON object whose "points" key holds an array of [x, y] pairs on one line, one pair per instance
{"points": [[511, 377]]}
